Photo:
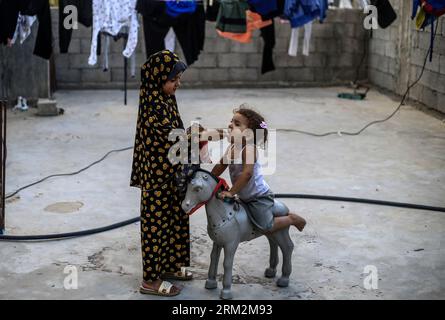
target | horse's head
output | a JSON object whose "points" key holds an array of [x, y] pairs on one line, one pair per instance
{"points": [[199, 190]]}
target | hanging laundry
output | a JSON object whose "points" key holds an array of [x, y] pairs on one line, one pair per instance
{"points": [[345, 4], [176, 8], [254, 22], [300, 12], [263, 7], [232, 16], [170, 40], [84, 16], [23, 30], [111, 16], [386, 14], [189, 28], [426, 13], [121, 35], [9, 13], [293, 46], [212, 8], [268, 35]]}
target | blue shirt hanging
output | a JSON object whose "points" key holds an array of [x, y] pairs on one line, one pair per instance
{"points": [[300, 12], [177, 7], [263, 7]]}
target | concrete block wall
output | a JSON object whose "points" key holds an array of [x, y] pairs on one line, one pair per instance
{"points": [[22, 73], [396, 55], [336, 49]]}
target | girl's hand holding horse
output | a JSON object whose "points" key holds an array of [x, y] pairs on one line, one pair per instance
{"points": [[225, 194]]}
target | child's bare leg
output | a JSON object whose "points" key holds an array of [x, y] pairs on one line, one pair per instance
{"points": [[291, 219], [299, 221]]}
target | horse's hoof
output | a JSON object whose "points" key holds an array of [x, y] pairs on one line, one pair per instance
{"points": [[283, 282], [270, 273], [226, 294], [211, 284]]}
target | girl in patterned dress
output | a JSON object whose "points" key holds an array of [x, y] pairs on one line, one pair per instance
{"points": [[164, 225]]}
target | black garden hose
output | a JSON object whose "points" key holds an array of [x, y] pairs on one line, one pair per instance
{"points": [[70, 235]]}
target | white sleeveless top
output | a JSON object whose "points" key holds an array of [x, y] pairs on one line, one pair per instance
{"points": [[256, 186]]}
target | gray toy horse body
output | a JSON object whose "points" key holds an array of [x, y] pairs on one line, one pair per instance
{"points": [[228, 225]]}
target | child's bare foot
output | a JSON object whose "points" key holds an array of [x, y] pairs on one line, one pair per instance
{"points": [[298, 222]]}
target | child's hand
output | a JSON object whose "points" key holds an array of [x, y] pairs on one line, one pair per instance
{"points": [[225, 194]]}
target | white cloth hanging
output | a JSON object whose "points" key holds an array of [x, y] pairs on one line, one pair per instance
{"points": [[345, 4], [105, 61], [111, 16], [170, 40], [23, 29], [293, 45]]}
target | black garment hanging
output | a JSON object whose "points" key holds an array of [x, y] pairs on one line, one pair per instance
{"points": [[386, 14], [9, 13], [85, 17], [212, 10], [268, 35], [189, 28], [273, 14]]}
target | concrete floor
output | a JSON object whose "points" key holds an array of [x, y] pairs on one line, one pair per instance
{"points": [[400, 160]]}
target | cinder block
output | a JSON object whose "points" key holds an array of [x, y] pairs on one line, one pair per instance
{"points": [[337, 15], [281, 45], [46, 107], [381, 34], [300, 74], [377, 46], [314, 60], [381, 79], [243, 74], [344, 30], [354, 16], [442, 64], [299, 60], [352, 45], [433, 65], [95, 76], [251, 47], [254, 60], [211, 30], [391, 49], [323, 74], [79, 61], [67, 75], [418, 56], [441, 102], [117, 75], [190, 75], [329, 46], [62, 61], [276, 75], [85, 46], [217, 45], [206, 60], [439, 45], [429, 97], [436, 81], [229, 60], [324, 30], [346, 74], [213, 74]]}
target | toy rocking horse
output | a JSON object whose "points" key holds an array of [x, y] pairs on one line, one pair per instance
{"points": [[228, 224]]}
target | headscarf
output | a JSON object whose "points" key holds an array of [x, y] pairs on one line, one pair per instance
{"points": [[158, 115]]}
